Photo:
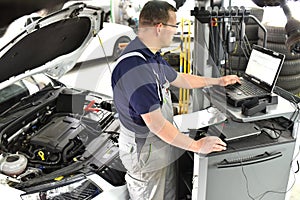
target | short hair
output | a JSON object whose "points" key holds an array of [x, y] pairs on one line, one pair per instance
{"points": [[155, 12]]}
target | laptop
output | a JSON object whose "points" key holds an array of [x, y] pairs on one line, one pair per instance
{"points": [[260, 76], [231, 130]]}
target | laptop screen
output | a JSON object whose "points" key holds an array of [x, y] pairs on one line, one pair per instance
{"points": [[264, 65]]}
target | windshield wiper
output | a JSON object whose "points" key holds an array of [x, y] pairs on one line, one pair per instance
{"points": [[18, 106]]}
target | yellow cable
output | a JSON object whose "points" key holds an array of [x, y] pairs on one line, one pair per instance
{"points": [[188, 62], [185, 65]]}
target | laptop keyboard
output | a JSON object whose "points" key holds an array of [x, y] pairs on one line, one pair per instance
{"points": [[248, 88]]}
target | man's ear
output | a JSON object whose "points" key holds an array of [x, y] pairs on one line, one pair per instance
{"points": [[158, 28]]}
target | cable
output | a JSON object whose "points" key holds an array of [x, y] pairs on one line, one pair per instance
{"points": [[225, 48], [293, 117], [107, 62], [243, 172], [83, 121], [212, 38], [207, 47], [278, 192], [239, 60], [246, 43], [261, 196], [297, 167]]}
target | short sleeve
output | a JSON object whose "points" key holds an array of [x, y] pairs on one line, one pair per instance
{"points": [[134, 79], [170, 73]]}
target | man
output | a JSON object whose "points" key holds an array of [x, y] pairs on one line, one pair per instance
{"points": [[149, 143]]}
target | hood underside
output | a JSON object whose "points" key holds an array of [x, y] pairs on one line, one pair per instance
{"points": [[52, 44]]}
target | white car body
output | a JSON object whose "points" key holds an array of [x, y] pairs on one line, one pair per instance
{"points": [[43, 156], [110, 192], [106, 44], [111, 36]]}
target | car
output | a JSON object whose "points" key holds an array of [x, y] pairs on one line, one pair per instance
{"points": [[104, 5], [17, 26], [111, 40], [56, 142]]}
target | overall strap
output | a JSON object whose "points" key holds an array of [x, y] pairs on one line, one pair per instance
{"points": [[135, 53]]}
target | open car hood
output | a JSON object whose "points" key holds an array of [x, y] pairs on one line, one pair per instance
{"points": [[51, 44]]}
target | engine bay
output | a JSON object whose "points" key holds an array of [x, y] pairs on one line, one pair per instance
{"points": [[58, 132]]}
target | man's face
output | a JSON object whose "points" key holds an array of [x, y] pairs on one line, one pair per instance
{"points": [[169, 29]]}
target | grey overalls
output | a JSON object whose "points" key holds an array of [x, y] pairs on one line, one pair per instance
{"points": [[150, 174]]}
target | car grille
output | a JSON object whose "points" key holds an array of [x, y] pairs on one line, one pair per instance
{"points": [[85, 191]]}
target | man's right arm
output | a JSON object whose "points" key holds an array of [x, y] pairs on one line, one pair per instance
{"points": [[168, 133], [190, 81]]}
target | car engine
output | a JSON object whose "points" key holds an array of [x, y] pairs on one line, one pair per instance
{"points": [[57, 132]]}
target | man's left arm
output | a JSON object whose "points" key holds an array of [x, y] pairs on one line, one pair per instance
{"points": [[189, 81]]}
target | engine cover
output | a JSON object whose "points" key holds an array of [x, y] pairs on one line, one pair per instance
{"points": [[57, 134]]}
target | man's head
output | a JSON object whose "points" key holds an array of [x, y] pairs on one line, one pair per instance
{"points": [[155, 12], [157, 24]]}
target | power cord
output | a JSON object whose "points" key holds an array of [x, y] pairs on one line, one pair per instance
{"points": [[261, 196], [272, 132], [106, 58]]}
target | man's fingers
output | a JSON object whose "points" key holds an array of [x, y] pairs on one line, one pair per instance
{"points": [[219, 147], [222, 143]]}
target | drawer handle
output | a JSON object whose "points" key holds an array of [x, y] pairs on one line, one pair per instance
{"points": [[249, 160]]}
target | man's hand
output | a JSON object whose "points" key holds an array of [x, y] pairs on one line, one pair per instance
{"points": [[229, 80], [170, 134], [209, 144]]}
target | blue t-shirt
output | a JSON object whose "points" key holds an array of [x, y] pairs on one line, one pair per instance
{"points": [[135, 85]]}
